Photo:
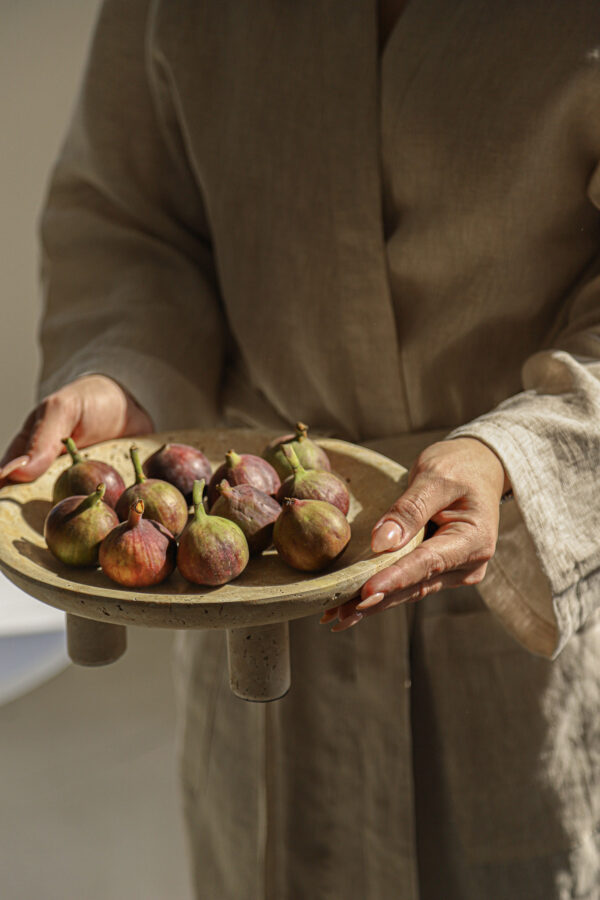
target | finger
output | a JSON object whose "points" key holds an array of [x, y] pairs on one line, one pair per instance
{"points": [[16, 463], [418, 592], [40, 439], [341, 611], [346, 623], [452, 547], [425, 497], [329, 615]]}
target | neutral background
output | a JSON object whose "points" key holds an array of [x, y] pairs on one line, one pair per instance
{"points": [[88, 786]]}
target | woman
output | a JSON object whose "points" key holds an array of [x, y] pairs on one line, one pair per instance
{"points": [[260, 215]]}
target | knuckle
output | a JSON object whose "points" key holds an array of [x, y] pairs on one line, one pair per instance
{"points": [[436, 564], [475, 576], [411, 508], [485, 549]]}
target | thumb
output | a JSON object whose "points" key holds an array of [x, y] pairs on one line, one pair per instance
{"points": [[39, 441], [411, 512]]}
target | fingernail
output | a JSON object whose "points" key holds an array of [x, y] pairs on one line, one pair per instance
{"points": [[347, 623], [386, 536], [16, 463], [371, 600], [328, 616]]}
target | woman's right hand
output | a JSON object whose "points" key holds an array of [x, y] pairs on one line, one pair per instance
{"points": [[90, 409]]}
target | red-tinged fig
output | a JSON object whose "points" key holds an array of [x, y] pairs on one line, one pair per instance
{"points": [[244, 468], [76, 526], [310, 455], [162, 501], [83, 475], [138, 552], [212, 550], [310, 534], [313, 484], [179, 464], [253, 510]]}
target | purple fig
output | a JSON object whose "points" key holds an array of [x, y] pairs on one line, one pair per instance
{"points": [[179, 464], [310, 455], [83, 475], [212, 550], [312, 484], [310, 534], [244, 468], [76, 526], [251, 509], [139, 552], [162, 501]]}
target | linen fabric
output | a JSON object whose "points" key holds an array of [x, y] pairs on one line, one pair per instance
{"points": [[256, 219]]}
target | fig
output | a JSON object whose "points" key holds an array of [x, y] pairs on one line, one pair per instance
{"points": [[312, 484], [139, 552], [179, 464], [76, 526], [244, 468], [212, 550], [310, 534], [251, 509], [310, 455], [83, 475], [162, 501]]}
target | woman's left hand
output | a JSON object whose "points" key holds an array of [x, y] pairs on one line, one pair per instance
{"points": [[457, 485]]}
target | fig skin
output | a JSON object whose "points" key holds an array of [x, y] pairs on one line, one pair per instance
{"points": [[310, 455], [310, 534], [244, 468], [180, 465], [212, 550], [76, 526], [162, 501], [254, 511], [84, 475], [313, 484], [138, 552]]}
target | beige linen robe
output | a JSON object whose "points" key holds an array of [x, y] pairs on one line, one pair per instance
{"points": [[256, 219]]}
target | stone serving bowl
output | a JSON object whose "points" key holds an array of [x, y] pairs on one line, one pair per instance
{"points": [[255, 608]]}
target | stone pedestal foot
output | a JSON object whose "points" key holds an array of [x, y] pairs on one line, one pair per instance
{"points": [[92, 643], [259, 661]]}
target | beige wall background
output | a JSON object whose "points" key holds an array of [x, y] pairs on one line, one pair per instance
{"points": [[42, 51], [88, 779]]}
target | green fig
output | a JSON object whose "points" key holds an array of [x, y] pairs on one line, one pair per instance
{"points": [[212, 550], [76, 526], [310, 455], [162, 501]]}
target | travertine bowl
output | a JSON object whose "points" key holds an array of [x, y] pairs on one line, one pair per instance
{"points": [[268, 590]]}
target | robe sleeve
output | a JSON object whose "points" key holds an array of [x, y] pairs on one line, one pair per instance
{"points": [[129, 283], [544, 579]]}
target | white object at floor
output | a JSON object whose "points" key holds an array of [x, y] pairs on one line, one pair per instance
{"points": [[32, 642]]}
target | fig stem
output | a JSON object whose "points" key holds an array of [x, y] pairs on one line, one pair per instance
{"points": [[197, 493], [92, 499], [72, 449], [224, 487], [301, 431], [232, 459], [136, 511], [292, 458], [135, 459]]}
